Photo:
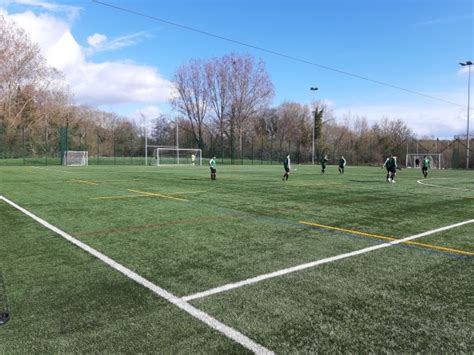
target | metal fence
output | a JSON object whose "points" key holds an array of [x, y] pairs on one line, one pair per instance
{"points": [[44, 146]]}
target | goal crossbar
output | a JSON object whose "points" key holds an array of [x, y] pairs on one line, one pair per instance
{"points": [[75, 158], [180, 156], [415, 160]]}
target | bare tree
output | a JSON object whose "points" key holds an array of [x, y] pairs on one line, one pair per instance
{"points": [[217, 76], [23, 70], [295, 125], [251, 90], [192, 98]]}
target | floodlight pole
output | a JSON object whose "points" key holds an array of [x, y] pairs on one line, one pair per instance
{"points": [[314, 123], [468, 63]]}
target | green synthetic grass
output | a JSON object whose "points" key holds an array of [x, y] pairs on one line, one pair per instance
{"points": [[188, 234]]}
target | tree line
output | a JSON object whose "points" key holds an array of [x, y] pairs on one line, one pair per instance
{"points": [[221, 105]]}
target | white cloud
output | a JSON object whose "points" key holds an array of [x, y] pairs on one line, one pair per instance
{"points": [[100, 43], [145, 117], [148, 112], [464, 70], [437, 120], [445, 20], [104, 83], [71, 11], [96, 39]]}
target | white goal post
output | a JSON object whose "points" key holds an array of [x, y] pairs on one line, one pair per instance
{"points": [[75, 158], [415, 160], [179, 156]]}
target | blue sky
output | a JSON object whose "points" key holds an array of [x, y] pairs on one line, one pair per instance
{"points": [[123, 63]]}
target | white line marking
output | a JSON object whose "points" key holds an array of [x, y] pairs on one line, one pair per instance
{"points": [[443, 187], [179, 302], [256, 279]]}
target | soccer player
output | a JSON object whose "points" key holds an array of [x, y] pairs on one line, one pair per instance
{"points": [[391, 166], [212, 165], [425, 165], [287, 167], [342, 164], [193, 158], [324, 160], [4, 317]]}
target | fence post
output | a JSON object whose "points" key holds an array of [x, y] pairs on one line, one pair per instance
{"points": [[241, 153], [252, 150], [271, 149], [113, 138], [23, 139], [98, 146], [46, 144]]}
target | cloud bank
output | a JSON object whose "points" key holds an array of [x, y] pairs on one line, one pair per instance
{"points": [[95, 84]]}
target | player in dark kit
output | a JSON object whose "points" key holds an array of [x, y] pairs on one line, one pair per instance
{"points": [[324, 161], [391, 166], [425, 165], [287, 167], [342, 164]]}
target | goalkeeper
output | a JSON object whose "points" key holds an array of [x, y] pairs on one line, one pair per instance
{"points": [[286, 167], [212, 165], [425, 165], [391, 166]]}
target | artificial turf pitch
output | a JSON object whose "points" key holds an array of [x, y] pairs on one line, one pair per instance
{"points": [[187, 234]]}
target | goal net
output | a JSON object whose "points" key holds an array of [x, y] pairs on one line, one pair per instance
{"points": [[171, 156], [416, 160], [75, 158]]}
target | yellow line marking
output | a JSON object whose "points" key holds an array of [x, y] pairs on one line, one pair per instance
{"points": [[85, 182], [185, 192], [157, 194], [378, 236], [117, 197], [143, 195]]}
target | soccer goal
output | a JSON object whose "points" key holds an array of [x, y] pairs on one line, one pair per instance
{"points": [[75, 158], [179, 156], [416, 160]]}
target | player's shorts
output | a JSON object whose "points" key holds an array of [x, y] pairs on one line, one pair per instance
{"points": [[213, 171], [287, 169], [392, 170], [424, 168]]}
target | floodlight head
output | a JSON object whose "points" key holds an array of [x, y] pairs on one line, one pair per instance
{"points": [[313, 88], [467, 62]]}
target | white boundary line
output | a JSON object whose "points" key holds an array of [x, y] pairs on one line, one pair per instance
{"points": [[443, 187], [331, 259], [179, 302]]}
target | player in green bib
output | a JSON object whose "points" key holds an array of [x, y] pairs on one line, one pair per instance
{"points": [[324, 161], [391, 166], [212, 165], [286, 167], [342, 164], [425, 165]]}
